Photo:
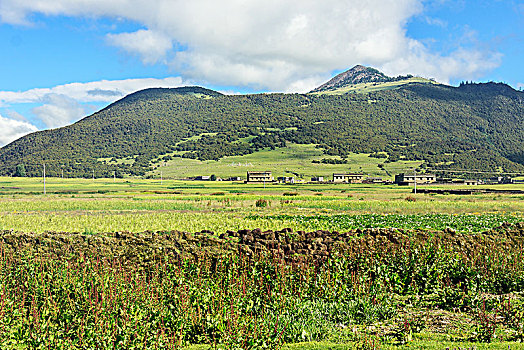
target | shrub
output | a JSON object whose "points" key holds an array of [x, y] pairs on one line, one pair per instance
{"points": [[486, 323], [262, 203]]}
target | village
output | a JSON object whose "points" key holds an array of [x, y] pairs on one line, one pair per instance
{"points": [[402, 179]]}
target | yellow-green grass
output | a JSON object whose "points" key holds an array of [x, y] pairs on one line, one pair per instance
{"points": [[132, 204], [102, 205], [371, 87], [281, 161], [109, 160]]}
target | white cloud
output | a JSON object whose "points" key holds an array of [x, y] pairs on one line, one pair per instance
{"points": [[59, 110], [149, 45], [16, 116], [13, 129], [96, 91], [61, 105], [436, 22], [468, 64], [274, 44]]}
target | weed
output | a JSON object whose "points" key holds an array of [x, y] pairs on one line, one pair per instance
{"points": [[486, 324], [262, 203]]}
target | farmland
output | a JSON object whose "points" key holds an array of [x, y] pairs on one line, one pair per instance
{"points": [[143, 263]]}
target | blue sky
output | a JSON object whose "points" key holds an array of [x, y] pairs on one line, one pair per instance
{"points": [[64, 59]]}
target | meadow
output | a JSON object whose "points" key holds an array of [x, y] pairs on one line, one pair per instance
{"points": [[283, 161], [414, 270]]}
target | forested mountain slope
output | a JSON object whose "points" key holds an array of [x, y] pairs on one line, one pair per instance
{"points": [[474, 126]]}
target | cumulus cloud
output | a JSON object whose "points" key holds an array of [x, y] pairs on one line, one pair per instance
{"points": [[16, 116], [96, 91], [11, 129], [273, 44], [149, 45], [59, 110], [460, 63], [61, 105]]}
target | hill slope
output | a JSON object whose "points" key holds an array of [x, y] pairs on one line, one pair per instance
{"points": [[478, 126], [366, 79]]}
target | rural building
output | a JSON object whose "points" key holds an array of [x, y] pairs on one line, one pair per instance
{"points": [[348, 178], [500, 180], [317, 179], [259, 176], [373, 180], [467, 182], [203, 178], [234, 178], [409, 179], [286, 179]]}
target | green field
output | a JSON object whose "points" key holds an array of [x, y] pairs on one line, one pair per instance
{"points": [[93, 264], [281, 161], [107, 205]]}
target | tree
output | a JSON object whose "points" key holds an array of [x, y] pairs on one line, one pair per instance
{"points": [[213, 177], [20, 171]]}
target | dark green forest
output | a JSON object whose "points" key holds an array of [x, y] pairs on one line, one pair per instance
{"points": [[473, 126]]}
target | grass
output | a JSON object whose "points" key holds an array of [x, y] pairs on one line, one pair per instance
{"points": [[392, 292], [94, 294], [371, 87], [104, 205], [294, 157]]}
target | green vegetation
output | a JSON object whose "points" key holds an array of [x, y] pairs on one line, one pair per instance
{"points": [[288, 161], [375, 86], [474, 126], [387, 268]]}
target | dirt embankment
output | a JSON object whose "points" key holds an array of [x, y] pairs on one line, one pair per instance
{"points": [[147, 247]]}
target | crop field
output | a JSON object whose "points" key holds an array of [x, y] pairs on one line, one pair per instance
{"points": [[149, 264]]}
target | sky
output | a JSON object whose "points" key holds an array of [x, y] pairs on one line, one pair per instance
{"points": [[65, 59]]}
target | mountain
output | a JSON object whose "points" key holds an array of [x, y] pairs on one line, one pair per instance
{"points": [[366, 79], [356, 75], [473, 126]]}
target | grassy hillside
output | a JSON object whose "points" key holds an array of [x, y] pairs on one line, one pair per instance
{"points": [[477, 126], [294, 158], [376, 86]]}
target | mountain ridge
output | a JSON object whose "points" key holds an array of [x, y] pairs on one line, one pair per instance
{"points": [[476, 126], [359, 75]]}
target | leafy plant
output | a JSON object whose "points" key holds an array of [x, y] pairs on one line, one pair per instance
{"points": [[486, 324]]}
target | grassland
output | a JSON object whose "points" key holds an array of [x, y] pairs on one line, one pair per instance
{"points": [[64, 290], [107, 205], [372, 87], [281, 161]]}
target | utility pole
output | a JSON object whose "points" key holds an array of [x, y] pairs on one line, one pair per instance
{"points": [[44, 178], [93, 174], [161, 180], [114, 176]]}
